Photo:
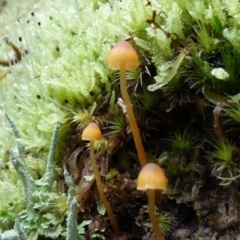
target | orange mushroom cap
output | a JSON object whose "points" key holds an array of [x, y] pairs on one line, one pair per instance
{"points": [[91, 132], [152, 177], [123, 55]]}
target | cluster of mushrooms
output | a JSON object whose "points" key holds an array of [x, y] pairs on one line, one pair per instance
{"points": [[151, 177]]}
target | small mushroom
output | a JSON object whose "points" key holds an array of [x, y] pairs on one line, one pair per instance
{"points": [[92, 133], [151, 178], [123, 57]]}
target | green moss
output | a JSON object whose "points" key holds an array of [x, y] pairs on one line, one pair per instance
{"points": [[182, 143]]}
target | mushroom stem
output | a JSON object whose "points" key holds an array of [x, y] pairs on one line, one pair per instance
{"points": [[101, 191], [153, 218], [131, 118]]}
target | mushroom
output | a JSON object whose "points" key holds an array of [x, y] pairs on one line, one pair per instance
{"points": [[92, 133], [150, 178], [123, 57]]}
